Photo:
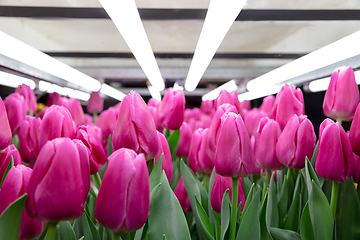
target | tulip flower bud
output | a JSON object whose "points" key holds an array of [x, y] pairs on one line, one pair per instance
{"points": [[354, 133], [296, 142], [29, 97], [88, 119], [29, 133], [107, 121], [57, 122], [252, 119], [246, 105], [123, 202], [5, 131], [234, 156], [164, 149], [135, 128], [216, 122], [153, 103], [75, 109], [95, 104], [154, 113], [342, 96], [226, 97], [171, 109], [288, 101], [53, 99], [266, 138], [356, 174], [335, 159], [185, 140], [181, 194], [207, 107], [5, 158], [219, 187], [267, 104], [14, 186], [93, 141], [16, 110], [57, 188], [201, 158]]}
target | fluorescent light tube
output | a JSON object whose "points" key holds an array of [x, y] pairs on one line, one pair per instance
{"points": [[50, 88], [261, 92], [11, 80], [229, 86], [112, 92], [323, 83], [126, 18], [154, 93], [342, 49], [26, 54], [219, 18]]}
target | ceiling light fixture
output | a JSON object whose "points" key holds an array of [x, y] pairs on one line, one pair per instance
{"points": [[11, 80], [228, 86], [126, 18], [261, 92], [342, 49], [19, 51], [219, 18], [112, 92], [50, 88], [154, 93]]}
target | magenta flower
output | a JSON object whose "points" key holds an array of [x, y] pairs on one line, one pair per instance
{"points": [[16, 110], [53, 99], [5, 131], [252, 119], [29, 97], [185, 140], [181, 194], [29, 133], [164, 149], [267, 104], [154, 113], [74, 107], [107, 121], [354, 134], [95, 103], [5, 158], [123, 202], [207, 107]]}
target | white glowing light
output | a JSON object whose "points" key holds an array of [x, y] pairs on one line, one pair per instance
{"points": [[112, 92], [229, 86], [259, 93], [154, 93], [323, 83], [11, 80]]}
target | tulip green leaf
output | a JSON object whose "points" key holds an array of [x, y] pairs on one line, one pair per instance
{"points": [[320, 214], [205, 222], [310, 175], [156, 173], [10, 219], [64, 231], [264, 231], [85, 227], [282, 234], [203, 195], [110, 146], [225, 214], [173, 142], [272, 212], [11, 164], [166, 215], [249, 198], [104, 233], [293, 216], [313, 157], [247, 185], [306, 229], [283, 201], [250, 224], [348, 212]]}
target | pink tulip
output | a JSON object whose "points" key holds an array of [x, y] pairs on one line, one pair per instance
{"points": [[123, 202], [57, 122], [5, 158], [74, 107], [92, 138], [296, 142], [234, 156], [14, 186], [135, 128], [95, 104], [335, 159], [88, 119], [154, 113], [288, 101], [246, 105], [153, 103], [201, 158], [219, 187], [57, 187], [354, 134], [53, 99], [266, 138], [342, 96], [164, 149], [356, 174], [226, 97], [29, 97], [29, 133], [184, 141], [171, 109], [107, 121], [252, 119], [267, 104], [5, 131], [181, 194], [207, 107], [16, 110]]}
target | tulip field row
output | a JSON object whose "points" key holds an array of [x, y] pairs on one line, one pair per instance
{"points": [[159, 171]]}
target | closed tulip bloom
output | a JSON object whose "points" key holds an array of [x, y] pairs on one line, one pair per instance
{"points": [[171, 109], [219, 187], [201, 158], [57, 122], [123, 202], [135, 128], [29, 133], [267, 104], [88, 119], [356, 173], [288, 101], [234, 156], [75, 109], [29, 97], [252, 119], [5, 158], [164, 149], [246, 105], [335, 159], [16, 110], [95, 104], [56, 190], [53, 99], [5, 131], [154, 113], [181, 194], [216, 123], [296, 142], [107, 121], [342, 95], [91, 139], [207, 107], [354, 133], [266, 138], [153, 103], [185, 140], [14, 186]]}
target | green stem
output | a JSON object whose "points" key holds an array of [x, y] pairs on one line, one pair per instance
{"points": [[166, 133], [267, 175], [94, 117], [110, 147], [234, 200], [288, 175], [206, 181], [334, 197], [151, 165], [116, 236], [97, 180], [50, 235], [339, 121], [358, 189]]}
